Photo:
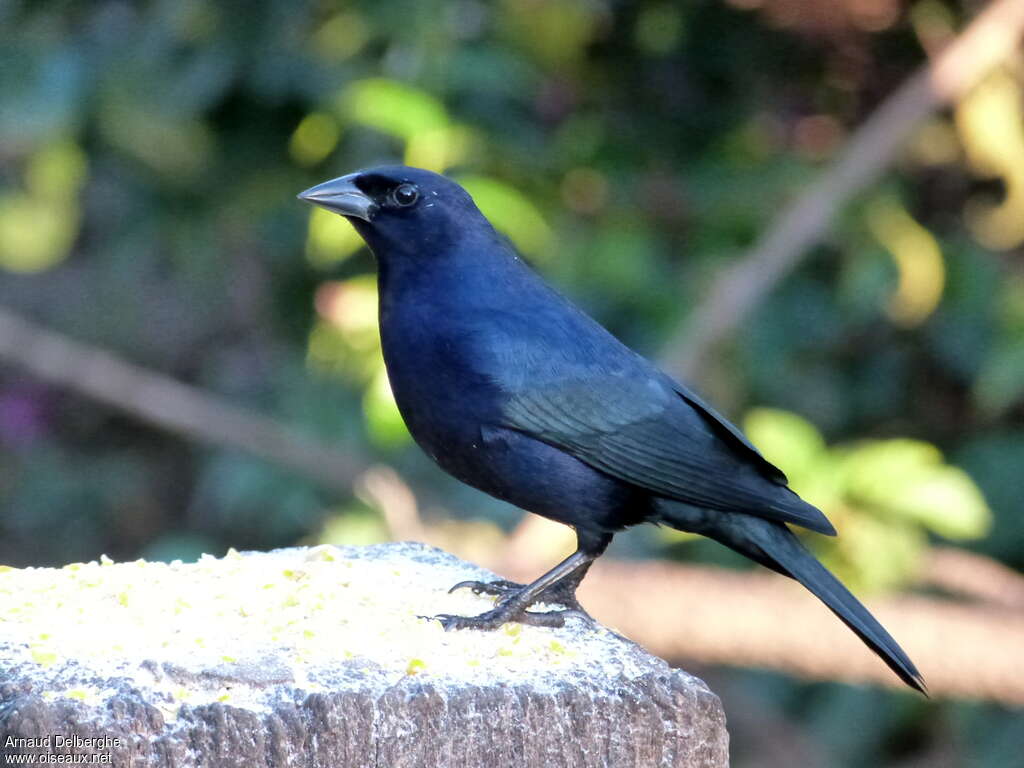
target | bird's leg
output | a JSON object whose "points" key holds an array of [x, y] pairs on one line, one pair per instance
{"points": [[556, 586], [563, 592]]}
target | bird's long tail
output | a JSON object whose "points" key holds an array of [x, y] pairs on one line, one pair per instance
{"points": [[772, 544]]}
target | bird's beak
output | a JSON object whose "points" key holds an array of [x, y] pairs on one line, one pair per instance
{"points": [[341, 195]]}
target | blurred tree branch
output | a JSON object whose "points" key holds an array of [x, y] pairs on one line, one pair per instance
{"points": [[162, 402], [989, 40], [975, 577]]}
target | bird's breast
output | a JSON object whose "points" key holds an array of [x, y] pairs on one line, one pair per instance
{"points": [[438, 386]]}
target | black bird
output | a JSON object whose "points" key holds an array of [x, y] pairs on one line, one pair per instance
{"points": [[514, 390]]}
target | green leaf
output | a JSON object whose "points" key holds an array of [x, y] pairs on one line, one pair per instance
{"points": [[395, 108], [875, 555], [36, 233], [908, 479], [385, 424], [57, 171], [510, 211], [331, 239], [314, 138], [790, 442]]}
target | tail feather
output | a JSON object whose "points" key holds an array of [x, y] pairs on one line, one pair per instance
{"points": [[786, 550], [773, 545]]}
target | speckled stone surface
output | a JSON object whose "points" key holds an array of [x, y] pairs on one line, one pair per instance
{"points": [[318, 657]]}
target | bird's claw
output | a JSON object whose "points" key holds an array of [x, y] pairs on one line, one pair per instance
{"points": [[493, 619], [486, 621], [498, 588], [559, 594], [513, 606]]}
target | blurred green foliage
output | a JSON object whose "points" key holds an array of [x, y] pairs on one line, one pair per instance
{"points": [[149, 158], [884, 495]]}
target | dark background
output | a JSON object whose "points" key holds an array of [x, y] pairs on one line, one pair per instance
{"points": [[149, 158]]}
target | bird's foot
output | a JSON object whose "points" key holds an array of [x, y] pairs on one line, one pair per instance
{"points": [[512, 607], [500, 614], [559, 593]]}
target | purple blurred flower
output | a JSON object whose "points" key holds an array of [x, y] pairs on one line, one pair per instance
{"points": [[22, 415]]}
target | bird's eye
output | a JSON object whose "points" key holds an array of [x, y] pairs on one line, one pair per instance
{"points": [[405, 195]]}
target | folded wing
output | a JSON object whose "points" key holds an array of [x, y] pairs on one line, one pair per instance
{"points": [[652, 432]]}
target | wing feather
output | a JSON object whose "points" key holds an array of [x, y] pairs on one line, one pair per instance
{"points": [[658, 435]]}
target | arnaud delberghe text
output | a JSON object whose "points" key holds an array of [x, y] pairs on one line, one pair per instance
{"points": [[59, 741]]}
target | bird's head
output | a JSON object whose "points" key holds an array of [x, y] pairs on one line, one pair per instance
{"points": [[397, 209]]}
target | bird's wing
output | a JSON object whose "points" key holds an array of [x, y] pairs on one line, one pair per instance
{"points": [[650, 431], [729, 432]]}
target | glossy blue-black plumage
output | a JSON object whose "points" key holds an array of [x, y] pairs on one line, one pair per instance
{"points": [[515, 391]]}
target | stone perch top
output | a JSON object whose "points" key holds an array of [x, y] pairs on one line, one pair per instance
{"points": [[319, 657]]}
